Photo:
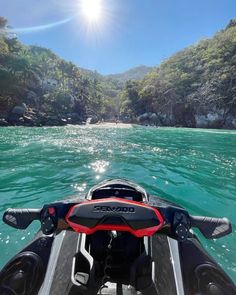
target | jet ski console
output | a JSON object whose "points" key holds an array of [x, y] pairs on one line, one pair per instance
{"points": [[117, 235]]}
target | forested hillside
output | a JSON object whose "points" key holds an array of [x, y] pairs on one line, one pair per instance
{"points": [[195, 87], [37, 87]]}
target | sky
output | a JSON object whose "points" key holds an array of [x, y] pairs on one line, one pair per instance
{"points": [[112, 36]]}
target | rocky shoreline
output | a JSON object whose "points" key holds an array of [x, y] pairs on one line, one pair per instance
{"points": [[24, 116], [214, 118], [21, 115]]}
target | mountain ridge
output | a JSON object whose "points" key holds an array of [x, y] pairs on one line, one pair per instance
{"points": [[135, 73]]}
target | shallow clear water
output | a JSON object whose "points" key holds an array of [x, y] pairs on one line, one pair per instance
{"points": [[195, 168]]}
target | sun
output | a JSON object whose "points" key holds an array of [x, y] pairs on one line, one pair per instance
{"points": [[92, 10]]}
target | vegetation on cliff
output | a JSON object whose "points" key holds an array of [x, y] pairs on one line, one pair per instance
{"points": [[47, 86], [196, 82]]}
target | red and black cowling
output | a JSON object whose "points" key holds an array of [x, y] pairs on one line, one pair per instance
{"points": [[115, 214]]}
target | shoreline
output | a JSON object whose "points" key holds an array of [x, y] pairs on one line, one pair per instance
{"points": [[120, 125], [110, 124]]}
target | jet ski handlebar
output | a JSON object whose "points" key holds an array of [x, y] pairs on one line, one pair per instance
{"points": [[211, 228], [21, 218], [122, 215]]}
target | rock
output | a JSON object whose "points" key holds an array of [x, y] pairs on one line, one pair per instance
{"points": [[210, 120], [52, 118], [3, 122], [154, 116], [51, 121], [12, 118], [31, 121], [21, 121], [39, 118], [230, 122], [19, 110], [149, 119], [143, 117], [166, 120], [73, 118], [154, 119], [15, 117], [233, 122], [94, 120], [201, 121]]}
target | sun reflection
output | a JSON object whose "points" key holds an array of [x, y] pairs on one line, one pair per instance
{"points": [[78, 187], [100, 166]]}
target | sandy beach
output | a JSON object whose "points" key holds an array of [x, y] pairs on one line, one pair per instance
{"points": [[112, 125]]}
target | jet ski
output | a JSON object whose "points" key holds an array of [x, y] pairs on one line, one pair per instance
{"points": [[118, 239]]}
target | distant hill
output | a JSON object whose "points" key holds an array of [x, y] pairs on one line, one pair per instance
{"points": [[136, 73], [90, 74]]}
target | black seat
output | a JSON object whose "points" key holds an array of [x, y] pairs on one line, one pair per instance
{"points": [[22, 275]]}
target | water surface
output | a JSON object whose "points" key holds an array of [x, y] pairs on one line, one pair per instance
{"points": [[195, 168]]}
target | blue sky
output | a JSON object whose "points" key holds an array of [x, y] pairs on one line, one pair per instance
{"points": [[129, 33]]}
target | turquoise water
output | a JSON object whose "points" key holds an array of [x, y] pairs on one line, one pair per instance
{"points": [[195, 168]]}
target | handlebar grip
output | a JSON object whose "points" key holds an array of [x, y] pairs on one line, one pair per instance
{"points": [[21, 218], [211, 228]]}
